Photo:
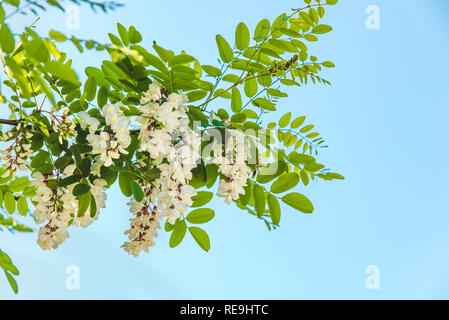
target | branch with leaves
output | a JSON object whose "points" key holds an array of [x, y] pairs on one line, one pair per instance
{"points": [[172, 132]]}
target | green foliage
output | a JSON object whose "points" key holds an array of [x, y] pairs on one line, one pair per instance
{"points": [[201, 237], [13, 194], [202, 198], [10, 270], [42, 89], [199, 216], [298, 201]]}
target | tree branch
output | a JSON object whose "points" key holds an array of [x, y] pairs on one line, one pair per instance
{"points": [[9, 122]]}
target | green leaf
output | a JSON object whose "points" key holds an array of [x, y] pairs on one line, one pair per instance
{"points": [[332, 175], [70, 180], [231, 78], [178, 233], [224, 49], [202, 198], [12, 282], [80, 189], [39, 158], [57, 36], [62, 162], [134, 36], [196, 95], [19, 184], [102, 97], [1, 198], [14, 3], [202, 215], [62, 71], [290, 33], [137, 191], [285, 182], [321, 11], [250, 114], [29, 192], [275, 209], [328, 64], [36, 50], [259, 199], [242, 36], [115, 40], [212, 71], [236, 100], [285, 120], [238, 117], [297, 122], [300, 158], [306, 128], [270, 172], [299, 202], [83, 203], [265, 104], [321, 28], [20, 75], [22, 206], [251, 87], [90, 88], [149, 58], [201, 237], [313, 167], [164, 54], [212, 174], [181, 59], [7, 42], [262, 30], [306, 17], [223, 114], [280, 22], [124, 180], [304, 177], [168, 226], [93, 207], [310, 37], [123, 34]]}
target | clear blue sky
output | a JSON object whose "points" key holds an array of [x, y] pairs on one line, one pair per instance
{"points": [[385, 119]]}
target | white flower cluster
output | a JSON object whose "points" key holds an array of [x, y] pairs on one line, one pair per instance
{"points": [[165, 134], [107, 145], [232, 163], [21, 149], [174, 149], [57, 207], [144, 225], [64, 127]]}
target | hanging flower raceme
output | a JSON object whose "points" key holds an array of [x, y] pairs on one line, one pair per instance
{"points": [[232, 163], [63, 126], [16, 156], [165, 134], [232, 159], [145, 223], [174, 149], [57, 207], [128, 122], [108, 145]]}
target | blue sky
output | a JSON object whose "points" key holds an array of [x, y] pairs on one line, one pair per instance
{"points": [[385, 120]]}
